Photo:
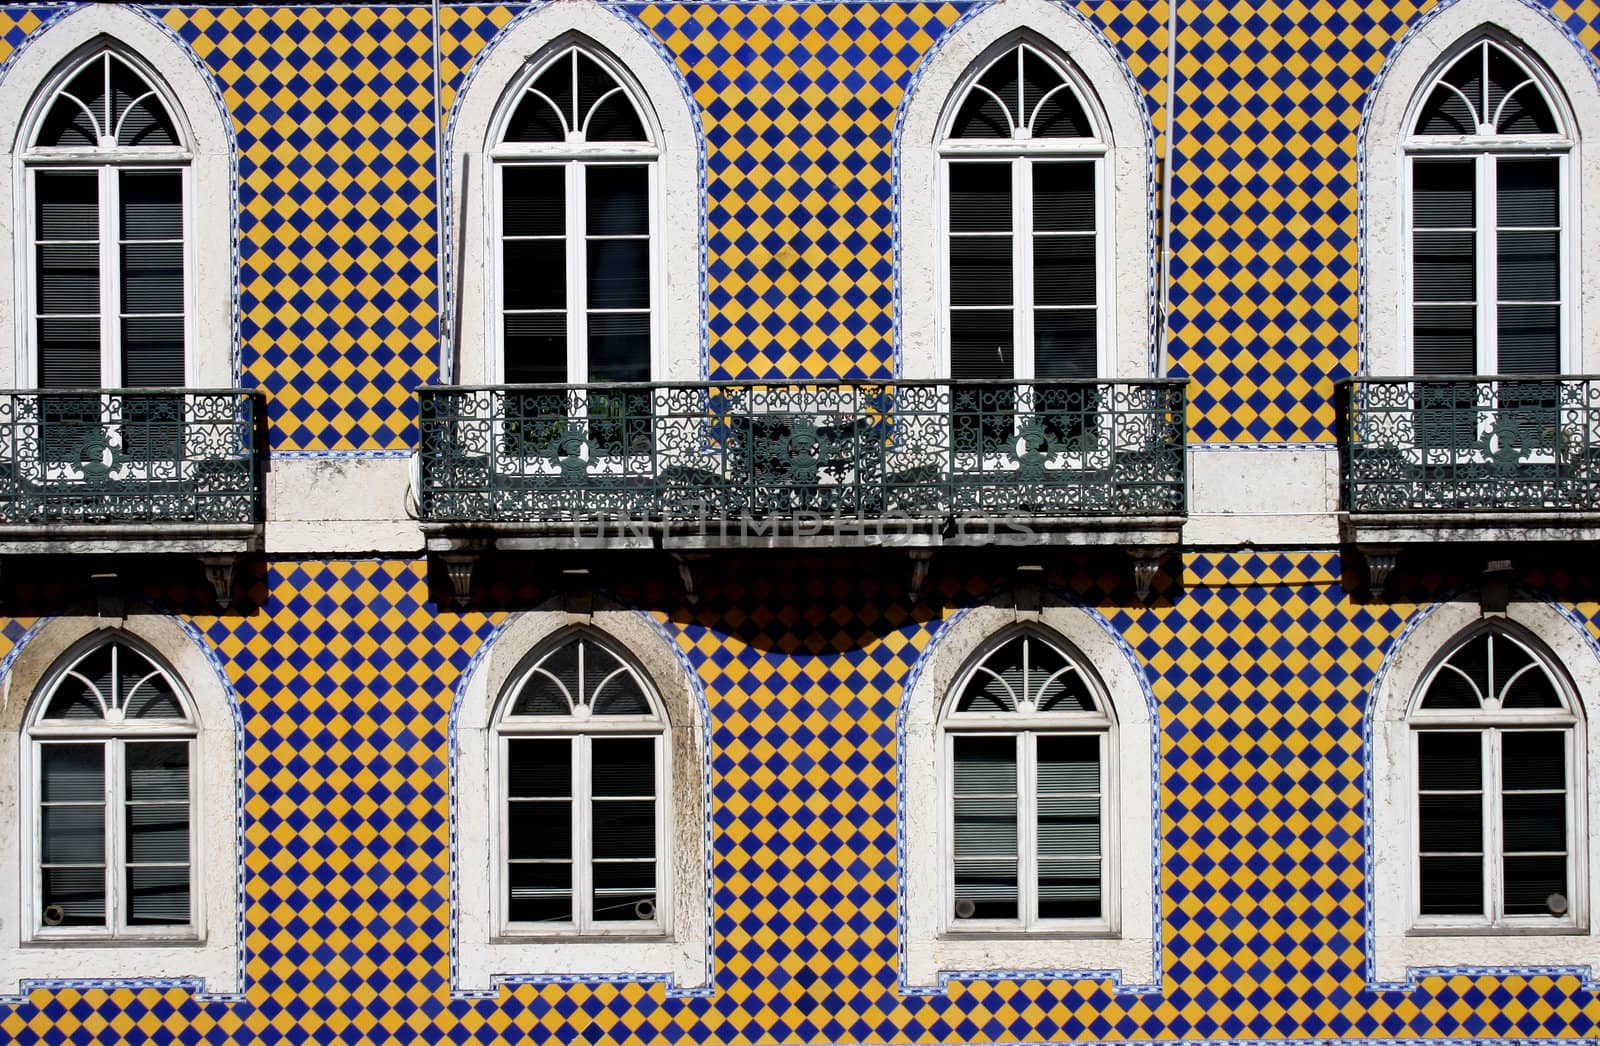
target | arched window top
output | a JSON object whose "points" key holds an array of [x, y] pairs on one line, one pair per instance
{"points": [[1489, 672], [109, 683], [1022, 95], [1486, 92], [580, 679], [1027, 675], [106, 104], [575, 99]]}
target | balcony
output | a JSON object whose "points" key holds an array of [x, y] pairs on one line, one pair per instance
{"points": [[130, 470], [1470, 458], [688, 467]]}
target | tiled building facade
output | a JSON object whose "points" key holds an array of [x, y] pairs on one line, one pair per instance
{"points": [[1259, 645]]}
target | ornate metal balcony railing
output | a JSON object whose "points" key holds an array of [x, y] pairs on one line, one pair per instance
{"points": [[134, 456], [697, 452], [1470, 444]]}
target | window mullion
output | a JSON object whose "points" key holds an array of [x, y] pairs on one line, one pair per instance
{"points": [[110, 296], [1027, 831], [583, 836], [1022, 266], [1488, 356], [115, 870], [577, 287], [1494, 830]]}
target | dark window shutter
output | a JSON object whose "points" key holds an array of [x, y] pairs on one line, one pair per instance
{"points": [[67, 221], [152, 278]]}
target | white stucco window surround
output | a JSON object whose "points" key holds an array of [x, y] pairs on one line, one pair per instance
{"points": [[490, 945], [1402, 935], [208, 949], [1124, 211], [1391, 147], [478, 152], [1119, 942], [204, 158]]}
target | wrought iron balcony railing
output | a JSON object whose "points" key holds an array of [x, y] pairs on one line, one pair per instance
{"points": [[1470, 444], [130, 456], [699, 452]]}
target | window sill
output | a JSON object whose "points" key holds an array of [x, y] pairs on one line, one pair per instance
{"points": [[1131, 959], [511, 959], [1397, 957], [212, 962]]}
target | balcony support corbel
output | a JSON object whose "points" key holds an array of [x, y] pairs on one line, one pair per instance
{"points": [[1381, 560], [1146, 565], [219, 571], [459, 566], [686, 562], [921, 560]]}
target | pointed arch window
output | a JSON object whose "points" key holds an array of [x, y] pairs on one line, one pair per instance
{"points": [[1029, 739], [1498, 791], [582, 745], [1022, 158], [107, 172], [1489, 154], [576, 168], [111, 743]]}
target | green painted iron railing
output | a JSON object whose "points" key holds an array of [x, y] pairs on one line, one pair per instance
{"points": [[1470, 444], [686, 452], [135, 456]]}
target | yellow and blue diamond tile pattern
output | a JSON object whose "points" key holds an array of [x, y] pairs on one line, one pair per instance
{"points": [[345, 673]]}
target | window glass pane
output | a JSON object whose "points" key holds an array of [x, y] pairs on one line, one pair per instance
{"points": [[986, 890], [69, 353], [1444, 265], [158, 896], [1530, 339], [153, 697], [616, 120], [152, 277], [985, 765], [980, 197], [617, 200], [981, 116], [158, 833], [1063, 197], [981, 344], [1451, 822], [1064, 270], [980, 270], [1452, 885], [1069, 826], [624, 766], [1463, 679], [539, 829], [72, 773], [552, 688], [535, 274], [1069, 889], [1535, 822], [539, 767], [69, 278], [1063, 691], [1455, 106], [618, 691], [1449, 762], [536, 349], [152, 352], [1516, 104], [619, 274], [1530, 882], [619, 347], [1069, 763], [152, 205], [1534, 759], [1059, 113], [78, 116], [540, 893], [985, 827], [624, 828], [1444, 194], [157, 771], [79, 892], [534, 199], [1529, 266], [1528, 193], [1064, 343], [1444, 339], [72, 834], [624, 892]]}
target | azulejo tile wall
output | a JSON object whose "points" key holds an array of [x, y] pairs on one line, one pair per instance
{"points": [[1260, 663]]}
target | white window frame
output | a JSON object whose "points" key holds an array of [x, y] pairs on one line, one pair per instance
{"points": [[211, 949], [483, 956], [1027, 728], [1023, 154], [1386, 190], [110, 736], [581, 730], [1491, 725], [1126, 946], [575, 157], [1126, 223], [1399, 943], [1484, 150]]}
